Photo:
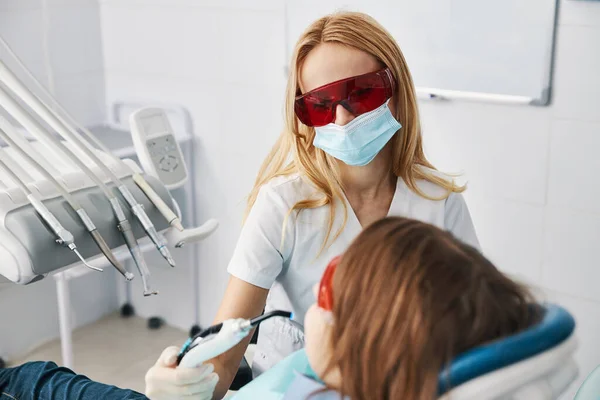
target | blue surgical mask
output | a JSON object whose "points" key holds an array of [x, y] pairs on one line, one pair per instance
{"points": [[359, 141]]}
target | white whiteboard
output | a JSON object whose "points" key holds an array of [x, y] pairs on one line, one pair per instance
{"points": [[490, 50]]}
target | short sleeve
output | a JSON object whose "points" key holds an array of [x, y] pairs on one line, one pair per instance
{"points": [[258, 257], [457, 220]]}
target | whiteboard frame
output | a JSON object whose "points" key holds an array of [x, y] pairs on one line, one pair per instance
{"points": [[544, 99], [440, 94]]}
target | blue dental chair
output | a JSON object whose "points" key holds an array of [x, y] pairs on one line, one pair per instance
{"points": [[536, 364]]}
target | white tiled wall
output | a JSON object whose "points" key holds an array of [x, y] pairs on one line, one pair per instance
{"points": [[532, 172], [501, 149], [533, 175], [573, 167], [21, 27], [217, 59], [570, 247], [577, 83], [74, 49], [28, 315]]}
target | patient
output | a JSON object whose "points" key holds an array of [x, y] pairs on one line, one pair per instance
{"points": [[398, 306], [391, 312]]}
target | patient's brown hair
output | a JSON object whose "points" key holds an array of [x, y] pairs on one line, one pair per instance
{"points": [[408, 298]]}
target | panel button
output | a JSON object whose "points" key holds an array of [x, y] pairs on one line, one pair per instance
{"points": [[168, 163]]}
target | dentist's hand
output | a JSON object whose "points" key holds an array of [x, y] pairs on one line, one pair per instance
{"points": [[166, 382]]}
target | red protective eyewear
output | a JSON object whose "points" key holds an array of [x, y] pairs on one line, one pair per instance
{"points": [[358, 95], [325, 295]]}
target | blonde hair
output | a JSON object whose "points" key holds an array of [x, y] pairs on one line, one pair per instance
{"points": [[294, 152]]}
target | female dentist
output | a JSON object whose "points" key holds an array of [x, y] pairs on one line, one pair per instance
{"points": [[351, 153]]}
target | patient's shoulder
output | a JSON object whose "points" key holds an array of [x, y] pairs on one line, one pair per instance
{"points": [[276, 380], [305, 387]]}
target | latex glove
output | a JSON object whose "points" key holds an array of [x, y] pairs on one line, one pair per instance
{"points": [[166, 382]]}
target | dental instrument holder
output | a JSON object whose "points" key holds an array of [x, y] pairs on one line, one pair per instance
{"points": [[28, 247], [181, 123]]}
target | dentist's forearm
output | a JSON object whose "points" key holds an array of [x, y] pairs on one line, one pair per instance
{"points": [[241, 300], [227, 365]]}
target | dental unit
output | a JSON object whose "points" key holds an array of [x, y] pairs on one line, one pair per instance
{"points": [[12, 82], [71, 126], [64, 237], [71, 190], [7, 133], [39, 132]]}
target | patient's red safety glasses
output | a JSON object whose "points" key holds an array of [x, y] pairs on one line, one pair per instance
{"points": [[358, 95], [325, 295]]}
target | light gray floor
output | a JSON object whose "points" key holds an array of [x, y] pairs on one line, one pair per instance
{"points": [[113, 350]]}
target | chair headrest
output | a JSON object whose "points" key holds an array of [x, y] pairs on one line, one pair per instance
{"points": [[555, 326]]}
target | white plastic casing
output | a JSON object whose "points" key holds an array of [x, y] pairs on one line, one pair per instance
{"points": [[16, 264], [157, 148]]}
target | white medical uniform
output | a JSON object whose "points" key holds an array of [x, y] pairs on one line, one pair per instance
{"points": [[288, 262]]}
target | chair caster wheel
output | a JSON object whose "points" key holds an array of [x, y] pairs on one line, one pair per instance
{"points": [[155, 323], [127, 310]]}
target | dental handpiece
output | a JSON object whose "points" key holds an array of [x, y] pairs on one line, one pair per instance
{"points": [[220, 338], [38, 131], [64, 237], [12, 82], [164, 209], [6, 127], [158, 239], [134, 248], [24, 145]]}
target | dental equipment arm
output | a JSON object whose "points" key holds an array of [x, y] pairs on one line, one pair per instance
{"points": [[71, 134], [164, 209], [12, 82], [19, 142], [16, 167], [64, 237], [6, 131], [219, 338], [23, 145], [38, 131], [73, 125]]}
